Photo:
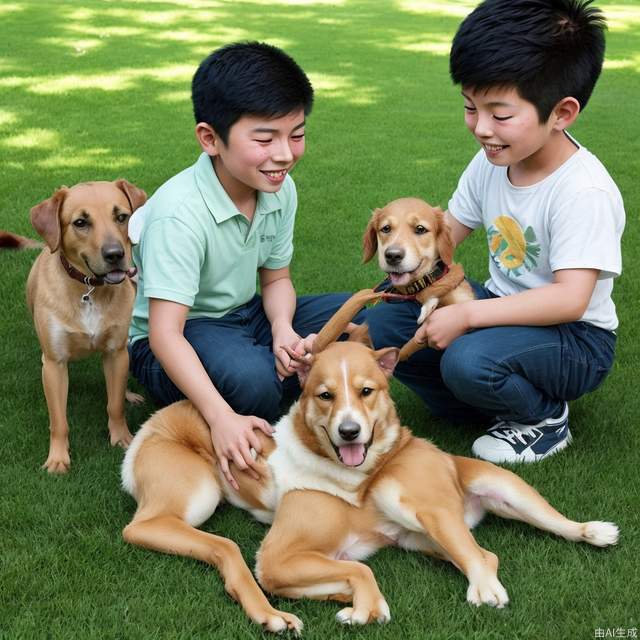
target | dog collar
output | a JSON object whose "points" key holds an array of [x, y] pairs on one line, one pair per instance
{"points": [[440, 270]]}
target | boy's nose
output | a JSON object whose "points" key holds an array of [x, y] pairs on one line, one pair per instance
{"points": [[282, 152], [484, 127]]}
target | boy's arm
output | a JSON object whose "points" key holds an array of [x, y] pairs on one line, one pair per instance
{"points": [[459, 231], [564, 300], [279, 302], [232, 434]]}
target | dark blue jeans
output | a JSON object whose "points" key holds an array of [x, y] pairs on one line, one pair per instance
{"points": [[519, 373], [235, 351]]}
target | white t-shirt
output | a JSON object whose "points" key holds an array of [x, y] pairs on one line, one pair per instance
{"points": [[573, 219]]}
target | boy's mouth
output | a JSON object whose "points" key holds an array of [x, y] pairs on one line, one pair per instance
{"points": [[494, 148], [275, 176]]}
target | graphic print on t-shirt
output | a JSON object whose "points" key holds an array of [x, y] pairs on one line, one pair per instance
{"points": [[514, 251]]}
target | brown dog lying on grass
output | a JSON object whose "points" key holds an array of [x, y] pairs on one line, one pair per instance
{"points": [[341, 479], [80, 297]]}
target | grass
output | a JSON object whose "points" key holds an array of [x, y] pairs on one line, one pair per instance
{"points": [[100, 90]]}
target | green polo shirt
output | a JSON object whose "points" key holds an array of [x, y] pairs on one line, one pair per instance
{"points": [[194, 247]]}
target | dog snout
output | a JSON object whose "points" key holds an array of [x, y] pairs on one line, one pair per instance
{"points": [[112, 253], [394, 255], [349, 430]]}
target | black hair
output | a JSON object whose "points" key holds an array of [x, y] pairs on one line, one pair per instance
{"points": [[248, 78], [545, 49]]}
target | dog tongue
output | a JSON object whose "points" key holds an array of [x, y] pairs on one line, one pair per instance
{"points": [[352, 454], [115, 277]]}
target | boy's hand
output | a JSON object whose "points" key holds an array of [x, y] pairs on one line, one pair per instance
{"points": [[233, 438], [284, 336], [443, 326]]}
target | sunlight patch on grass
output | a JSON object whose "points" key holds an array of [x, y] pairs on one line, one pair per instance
{"points": [[74, 159], [105, 32], [627, 63], [32, 138], [7, 117], [10, 7], [117, 81], [343, 87], [175, 97], [459, 8], [299, 3], [78, 47], [438, 45], [622, 17]]}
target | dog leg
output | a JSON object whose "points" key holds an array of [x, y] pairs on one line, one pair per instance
{"points": [[55, 381], [450, 533], [170, 534], [507, 495], [116, 370], [427, 309], [311, 574]]}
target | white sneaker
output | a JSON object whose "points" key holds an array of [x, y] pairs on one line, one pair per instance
{"points": [[514, 442]]}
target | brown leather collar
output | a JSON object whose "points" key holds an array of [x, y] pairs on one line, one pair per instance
{"points": [[439, 271], [90, 281]]}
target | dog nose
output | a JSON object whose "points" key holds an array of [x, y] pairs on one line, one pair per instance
{"points": [[113, 253], [393, 255], [349, 430]]}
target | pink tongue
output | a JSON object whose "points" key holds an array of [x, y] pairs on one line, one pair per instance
{"points": [[352, 454], [115, 277]]}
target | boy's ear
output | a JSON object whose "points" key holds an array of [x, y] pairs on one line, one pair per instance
{"points": [[209, 140], [565, 113]]}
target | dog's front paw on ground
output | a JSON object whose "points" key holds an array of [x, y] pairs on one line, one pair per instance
{"points": [[133, 398], [57, 463], [120, 436], [489, 591], [279, 621], [363, 615]]}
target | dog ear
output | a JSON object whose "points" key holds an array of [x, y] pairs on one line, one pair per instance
{"points": [[387, 359], [303, 372], [136, 196], [45, 218], [359, 333], [370, 238], [444, 239]]}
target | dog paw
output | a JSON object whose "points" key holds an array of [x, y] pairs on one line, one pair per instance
{"points": [[427, 309], [57, 464], [350, 615], [600, 534], [279, 621], [133, 398], [489, 591]]}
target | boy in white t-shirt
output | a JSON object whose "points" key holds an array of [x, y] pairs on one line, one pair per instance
{"points": [[542, 330]]}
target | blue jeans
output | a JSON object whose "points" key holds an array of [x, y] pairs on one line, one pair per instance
{"points": [[235, 351], [519, 373]]}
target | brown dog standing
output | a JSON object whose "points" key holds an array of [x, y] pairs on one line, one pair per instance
{"points": [[81, 298]]}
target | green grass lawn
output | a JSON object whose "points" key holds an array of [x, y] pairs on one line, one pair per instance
{"points": [[100, 90]]}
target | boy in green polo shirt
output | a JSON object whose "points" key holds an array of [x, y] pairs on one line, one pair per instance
{"points": [[199, 330]]}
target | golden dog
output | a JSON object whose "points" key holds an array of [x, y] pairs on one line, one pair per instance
{"points": [[341, 478], [81, 299], [415, 249]]}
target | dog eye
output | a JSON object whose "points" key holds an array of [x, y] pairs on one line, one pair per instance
{"points": [[420, 230], [325, 395], [121, 218], [80, 223], [366, 391], [386, 228]]}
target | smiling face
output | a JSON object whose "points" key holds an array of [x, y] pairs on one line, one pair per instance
{"points": [[348, 414], [259, 153], [410, 237]]}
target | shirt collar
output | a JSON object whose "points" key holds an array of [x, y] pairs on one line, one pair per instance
{"points": [[218, 201]]}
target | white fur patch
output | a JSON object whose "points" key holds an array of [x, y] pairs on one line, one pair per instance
{"points": [[600, 534], [58, 342], [319, 590], [387, 498], [126, 470], [353, 548], [202, 503], [296, 467]]}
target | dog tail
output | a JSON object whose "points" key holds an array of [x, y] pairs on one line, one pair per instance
{"points": [[488, 487], [10, 240]]}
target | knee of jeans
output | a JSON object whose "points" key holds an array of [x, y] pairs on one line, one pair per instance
{"points": [[255, 391], [463, 369]]}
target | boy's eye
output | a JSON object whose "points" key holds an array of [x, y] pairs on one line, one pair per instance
{"points": [[502, 118], [267, 141], [469, 109], [298, 136]]}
